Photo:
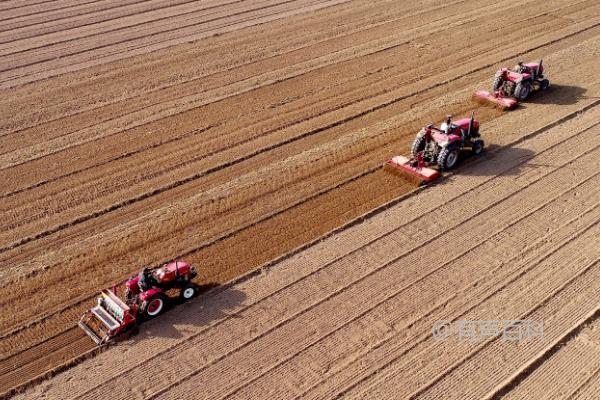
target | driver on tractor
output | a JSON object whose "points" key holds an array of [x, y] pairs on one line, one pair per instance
{"points": [[445, 126], [147, 280], [522, 68]]}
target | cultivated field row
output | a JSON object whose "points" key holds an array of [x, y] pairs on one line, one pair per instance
{"points": [[364, 301], [67, 50], [280, 74], [265, 147], [569, 372], [50, 255], [381, 155], [59, 321]]}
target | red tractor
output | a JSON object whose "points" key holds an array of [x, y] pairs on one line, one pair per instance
{"points": [[144, 297], [439, 147], [512, 85]]}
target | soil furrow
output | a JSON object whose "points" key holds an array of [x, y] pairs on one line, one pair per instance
{"points": [[94, 215], [268, 80], [96, 15], [373, 293], [248, 138], [566, 369], [209, 341]]}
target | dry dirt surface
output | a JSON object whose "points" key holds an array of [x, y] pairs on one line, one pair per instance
{"points": [[249, 136]]}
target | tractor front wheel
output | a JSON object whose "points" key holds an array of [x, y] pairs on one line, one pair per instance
{"points": [[497, 83], [544, 84], [448, 158], [189, 291], [154, 305]]}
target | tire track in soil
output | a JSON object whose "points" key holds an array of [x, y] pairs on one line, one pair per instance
{"points": [[329, 341], [143, 30], [75, 141], [107, 34], [589, 390], [582, 278], [125, 48], [214, 43], [590, 273], [47, 364], [7, 8], [462, 296], [578, 353], [331, 394], [269, 54], [250, 379], [354, 374], [71, 20], [386, 185]]}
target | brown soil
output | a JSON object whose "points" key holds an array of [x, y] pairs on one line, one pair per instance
{"points": [[248, 131]]}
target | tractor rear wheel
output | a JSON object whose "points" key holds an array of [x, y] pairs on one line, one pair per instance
{"points": [[188, 291], [154, 305], [522, 90], [417, 146], [448, 158], [497, 83]]}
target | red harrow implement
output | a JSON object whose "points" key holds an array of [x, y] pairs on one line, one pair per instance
{"points": [[416, 167], [498, 98]]}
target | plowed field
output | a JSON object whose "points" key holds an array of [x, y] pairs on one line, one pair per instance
{"points": [[247, 137]]}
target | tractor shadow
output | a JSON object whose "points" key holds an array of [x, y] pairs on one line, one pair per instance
{"points": [[557, 94], [493, 161], [213, 303]]}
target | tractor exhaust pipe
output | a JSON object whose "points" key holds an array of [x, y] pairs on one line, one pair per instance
{"points": [[470, 124]]}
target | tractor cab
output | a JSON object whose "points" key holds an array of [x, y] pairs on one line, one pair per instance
{"points": [[464, 124], [530, 68]]}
